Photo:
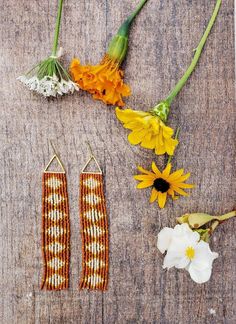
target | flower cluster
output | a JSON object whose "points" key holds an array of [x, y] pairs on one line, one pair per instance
{"points": [[103, 81], [49, 78], [49, 86], [150, 130]]}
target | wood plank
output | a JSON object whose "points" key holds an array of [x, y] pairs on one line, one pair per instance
{"points": [[161, 45]]}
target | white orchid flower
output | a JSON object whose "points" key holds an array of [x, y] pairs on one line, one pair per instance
{"points": [[185, 250]]}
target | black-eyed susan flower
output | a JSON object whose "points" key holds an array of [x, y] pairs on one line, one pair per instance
{"points": [[105, 80], [164, 183], [49, 78], [149, 128]]}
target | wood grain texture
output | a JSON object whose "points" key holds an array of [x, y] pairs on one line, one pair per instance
{"points": [[161, 46]]}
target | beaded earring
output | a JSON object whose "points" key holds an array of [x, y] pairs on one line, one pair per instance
{"points": [[94, 229], [55, 227]]}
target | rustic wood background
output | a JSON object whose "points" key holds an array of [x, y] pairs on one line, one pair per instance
{"points": [[161, 46]]}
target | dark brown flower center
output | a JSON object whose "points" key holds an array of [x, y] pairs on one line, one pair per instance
{"points": [[161, 185]]}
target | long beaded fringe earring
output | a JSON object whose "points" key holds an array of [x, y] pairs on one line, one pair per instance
{"points": [[55, 228], [94, 229]]}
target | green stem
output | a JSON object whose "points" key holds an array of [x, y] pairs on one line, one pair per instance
{"points": [[124, 29], [57, 29], [225, 217], [197, 55], [176, 137]]}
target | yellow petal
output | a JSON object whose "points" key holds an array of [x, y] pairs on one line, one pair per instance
{"points": [[170, 145], [144, 184], [133, 125], [179, 191], [128, 115], [160, 150], [141, 169], [155, 125], [175, 175], [167, 132], [136, 137], [183, 178], [148, 142], [155, 169], [184, 185], [154, 195], [142, 177], [162, 199], [167, 170]]}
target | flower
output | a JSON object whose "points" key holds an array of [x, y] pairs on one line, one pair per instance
{"points": [[49, 86], [163, 183], [185, 250], [49, 78], [103, 81], [148, 130]]}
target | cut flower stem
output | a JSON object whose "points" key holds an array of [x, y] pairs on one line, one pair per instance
{"points": [[57, 29], [49, 78], [118, 46], [124, 29], [197, 55]]}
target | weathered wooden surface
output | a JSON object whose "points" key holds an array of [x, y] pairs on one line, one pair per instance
{"points": [[162, 41]]}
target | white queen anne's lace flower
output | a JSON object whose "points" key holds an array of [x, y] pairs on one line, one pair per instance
{"points": [[49, 86], [185, 250]]}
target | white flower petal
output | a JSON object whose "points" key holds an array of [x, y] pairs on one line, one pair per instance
{"points": [[182, 263], [173, 259], [199, 276], [204, 257], [164, 239], [182, 229], [49, 86]]}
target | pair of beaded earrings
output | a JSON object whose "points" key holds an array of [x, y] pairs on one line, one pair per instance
{"points": [[56, 228]]}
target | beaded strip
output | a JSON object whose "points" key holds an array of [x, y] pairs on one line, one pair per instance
{"points": [[94, 232], [55, 232]]}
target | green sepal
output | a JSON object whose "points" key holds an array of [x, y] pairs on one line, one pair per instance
{"points": [[118, 46], [161, 110]]}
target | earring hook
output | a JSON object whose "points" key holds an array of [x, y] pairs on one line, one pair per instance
{"points": [[90, 148], [92, 157], [53, 147], [55, 156]]}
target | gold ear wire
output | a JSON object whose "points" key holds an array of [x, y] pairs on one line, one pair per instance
{"points": [[92, 157], [90, 148], [55, 156], [53, 147]]}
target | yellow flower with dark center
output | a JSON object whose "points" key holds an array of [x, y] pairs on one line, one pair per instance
{"points": [[148, 130], [163, 183], [103, 81]]}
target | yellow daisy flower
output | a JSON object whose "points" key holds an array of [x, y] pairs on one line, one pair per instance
{"points": [[148, 130], [163, 183]]}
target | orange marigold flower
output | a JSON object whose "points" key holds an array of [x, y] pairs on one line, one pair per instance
{"points": [[103, 81]]}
